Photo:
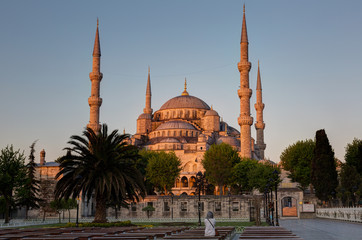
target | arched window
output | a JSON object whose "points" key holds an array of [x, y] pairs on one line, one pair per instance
{"points": [[193, 181], [178, 183], [184, 182]]}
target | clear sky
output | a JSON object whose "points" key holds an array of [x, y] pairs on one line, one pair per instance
{"points": [[310, 56]]}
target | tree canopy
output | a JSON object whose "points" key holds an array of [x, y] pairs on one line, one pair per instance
{"points": [[162, 170], [101, 164], [218, 163], [324, 173], [353, 156], [350, 182], [12, 172], [297, 159], [241, 176], [27, 195]]}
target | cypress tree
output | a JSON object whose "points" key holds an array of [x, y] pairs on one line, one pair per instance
{"points": [[324, 173]]}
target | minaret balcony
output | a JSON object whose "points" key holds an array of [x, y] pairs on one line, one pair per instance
{"points": [[245, 92], [259, 106], [94, 101], [245, 120], [95, 76], [259, 125], [244, 66]]}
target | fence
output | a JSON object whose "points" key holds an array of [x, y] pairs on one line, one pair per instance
{"points": [[345, 214], [33, 222]]}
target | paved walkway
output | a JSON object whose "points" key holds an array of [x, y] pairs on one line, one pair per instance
{"points": [[316, 229]]}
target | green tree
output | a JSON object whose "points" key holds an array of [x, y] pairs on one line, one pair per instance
{"points": [[353, 156], [162, 170], [57, 206], [350, 181], [240, 174], [297, 159], [142, 166], [262, 176], [12, 170], [218, 163], [100, 164], [27, 194], [148, 209], [324, 173]]}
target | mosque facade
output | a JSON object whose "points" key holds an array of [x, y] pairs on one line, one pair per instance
{"points": [[187, 125]]}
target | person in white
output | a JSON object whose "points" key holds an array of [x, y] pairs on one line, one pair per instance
{"points": [[210, 224]]}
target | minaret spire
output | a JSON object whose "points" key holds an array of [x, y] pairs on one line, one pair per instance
{"points": [[95, 76], [244, 33], [245, 120], [185, 93], [259, 124], [148, 108]]}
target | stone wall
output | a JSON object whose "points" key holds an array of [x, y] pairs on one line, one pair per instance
{"points": [[238, 206]]}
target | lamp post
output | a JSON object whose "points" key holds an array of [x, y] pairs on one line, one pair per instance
{"points": [[199, 177], [266, 211], [229, 193], [76, 221], [275, 173], [271, 202]]}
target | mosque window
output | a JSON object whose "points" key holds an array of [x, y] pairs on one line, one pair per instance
{"points": [[166, 206], [185, 182], [183, 206], [235, 206], [217, 206]]}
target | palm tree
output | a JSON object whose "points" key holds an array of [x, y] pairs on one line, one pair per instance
{"points": [[101, 165]]}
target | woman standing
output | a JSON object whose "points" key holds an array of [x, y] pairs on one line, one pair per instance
{"points": [[210, 224]]}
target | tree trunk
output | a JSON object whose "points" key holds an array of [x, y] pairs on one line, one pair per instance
{"points": [[26, 212], [221, 192], [101, 209], [44, 215], [68, 215], [116, 211], [7, 210]]}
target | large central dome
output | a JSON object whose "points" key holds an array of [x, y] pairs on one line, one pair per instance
{"points": [[185, 101]]}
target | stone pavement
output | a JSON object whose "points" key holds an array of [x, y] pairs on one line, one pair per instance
{"points": [[316, 229]]}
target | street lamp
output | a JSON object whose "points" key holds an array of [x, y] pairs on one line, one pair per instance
{"points": [[275, 173], [266, 210], [271, 202], [229, 193], [199, 180]]}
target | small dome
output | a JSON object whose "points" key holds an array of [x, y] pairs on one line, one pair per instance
{"points": [[211, 113], [175, 125], [185, 101], [229, 140], [145, 116]]}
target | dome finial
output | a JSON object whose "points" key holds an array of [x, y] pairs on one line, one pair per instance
{"points": [[185, 93]]}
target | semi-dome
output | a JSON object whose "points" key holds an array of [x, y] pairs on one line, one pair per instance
{"points": [[185, 101], [176, 125], [145, 116], [229, 140], [211, 112]]}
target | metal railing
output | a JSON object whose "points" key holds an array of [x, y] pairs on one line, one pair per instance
{"points": [[353, 214]]}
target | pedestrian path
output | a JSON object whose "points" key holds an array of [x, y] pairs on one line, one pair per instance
{"points": [[318, 229]]}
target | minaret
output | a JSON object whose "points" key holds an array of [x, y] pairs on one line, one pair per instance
{"points": [[144, 121], [259, 124], [148, 108], [95, 76], [244, 120]]}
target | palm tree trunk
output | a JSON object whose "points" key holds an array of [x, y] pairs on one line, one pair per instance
{"points": [[7, 210], [100, 215]]}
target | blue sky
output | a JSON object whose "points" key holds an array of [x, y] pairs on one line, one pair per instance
{"points": [[309, 51]]}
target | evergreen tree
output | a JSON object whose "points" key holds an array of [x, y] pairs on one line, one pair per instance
{"points": [[324, 173], [27, 195]]}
